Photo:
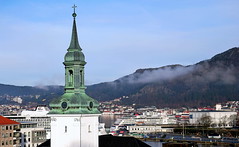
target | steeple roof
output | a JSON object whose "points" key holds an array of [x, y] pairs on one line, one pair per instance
{"points": [[74, 51], [74, 45]]}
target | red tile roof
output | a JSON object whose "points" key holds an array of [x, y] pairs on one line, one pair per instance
{"points": [[6, 121]]}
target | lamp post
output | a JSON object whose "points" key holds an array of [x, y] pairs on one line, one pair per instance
{"points": [[183, 129]]}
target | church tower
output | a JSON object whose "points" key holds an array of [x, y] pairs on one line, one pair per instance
{"points": [[74, 115]]}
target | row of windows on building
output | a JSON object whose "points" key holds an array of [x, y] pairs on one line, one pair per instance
{"points": [[5, 135], [41, 122], [6, 143], [37, 137], [8, 128], [152, 128]]}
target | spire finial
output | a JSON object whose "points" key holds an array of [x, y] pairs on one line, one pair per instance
{"points": [[74, 14]]}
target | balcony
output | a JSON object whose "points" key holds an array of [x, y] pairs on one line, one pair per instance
{"points": [[16, 142], [16, 127], [16, 135]]}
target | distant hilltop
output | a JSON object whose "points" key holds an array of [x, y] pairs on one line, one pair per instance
{"points": [[205, 83]]}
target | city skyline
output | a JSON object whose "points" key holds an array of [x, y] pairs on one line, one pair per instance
{"points": [[117, 37]]}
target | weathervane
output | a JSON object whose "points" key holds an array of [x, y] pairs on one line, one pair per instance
{"points": [[74, 14]]}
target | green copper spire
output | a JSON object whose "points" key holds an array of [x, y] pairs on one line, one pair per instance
{"points": [[74, 100], [74, 45]]}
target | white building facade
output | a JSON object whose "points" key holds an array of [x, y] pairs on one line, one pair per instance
{"points": [[74, 130], [218, 118], [31, 135]]}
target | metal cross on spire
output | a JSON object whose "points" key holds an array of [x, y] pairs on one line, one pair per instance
{"points": [[74, 7], [74, 14]]}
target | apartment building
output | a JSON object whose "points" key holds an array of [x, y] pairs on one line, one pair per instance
{"points": [[9, 133]]}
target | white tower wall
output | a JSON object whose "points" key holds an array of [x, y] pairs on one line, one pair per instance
{"points": [[74, 130]]}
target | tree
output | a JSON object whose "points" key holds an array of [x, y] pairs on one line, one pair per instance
{"points": [[233, 120], [205, 120], [224, 121]]}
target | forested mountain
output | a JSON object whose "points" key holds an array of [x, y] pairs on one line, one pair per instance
{"points": [[205, 83], [28, 94]]}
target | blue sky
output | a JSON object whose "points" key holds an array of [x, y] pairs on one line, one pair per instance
{"points": [[117, 36]]}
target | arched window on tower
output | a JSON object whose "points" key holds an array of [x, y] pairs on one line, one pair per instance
{"points": [[70, 77]]}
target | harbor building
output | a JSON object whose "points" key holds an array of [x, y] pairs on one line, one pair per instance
{"points": [[221, 119], [148, 129], [38, 116]]}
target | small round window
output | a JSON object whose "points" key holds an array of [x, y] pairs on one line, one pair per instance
{"points": [[64, 105]]}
